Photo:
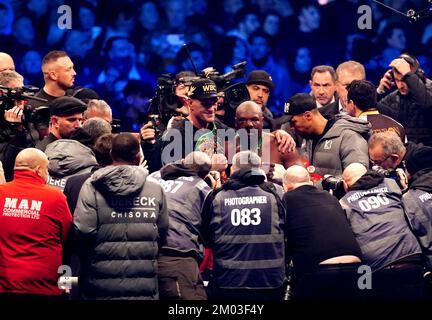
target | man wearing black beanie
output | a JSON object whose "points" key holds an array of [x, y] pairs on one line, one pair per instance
{"points": [[418, 204]]}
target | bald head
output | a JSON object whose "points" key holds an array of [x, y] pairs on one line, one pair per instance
{"points": [[199, 162], [249, 116], [352, 173], [296, 176], [353, 68], [6, 62], [248, 106], [30, 158], [245, 160]]}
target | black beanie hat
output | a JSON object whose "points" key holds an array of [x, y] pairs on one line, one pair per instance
{"points": [[418, 159]]}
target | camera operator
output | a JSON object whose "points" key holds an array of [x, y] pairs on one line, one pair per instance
{"points": [[324, 263], [13, 135], [171, 102], [411, 103], [373, 205]]}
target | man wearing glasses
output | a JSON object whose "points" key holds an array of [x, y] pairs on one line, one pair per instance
{"points": [[387, 151]]}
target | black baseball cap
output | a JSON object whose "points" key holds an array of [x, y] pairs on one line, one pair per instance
{"points": [[300, 103], [260, 77], [66, 106], [202, 89]]}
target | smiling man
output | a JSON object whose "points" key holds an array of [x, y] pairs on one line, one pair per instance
{"points": [[181, 138]]}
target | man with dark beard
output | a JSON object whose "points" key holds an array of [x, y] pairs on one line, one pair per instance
{"points": [[329, 145]]}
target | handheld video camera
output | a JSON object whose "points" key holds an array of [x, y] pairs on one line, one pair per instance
{"points": [[39, 116], [233, 94]]}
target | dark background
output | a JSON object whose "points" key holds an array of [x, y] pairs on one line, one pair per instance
{"points": [[119, 48]]}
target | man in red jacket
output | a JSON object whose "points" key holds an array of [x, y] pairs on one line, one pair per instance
{"points": [[34, 224]]}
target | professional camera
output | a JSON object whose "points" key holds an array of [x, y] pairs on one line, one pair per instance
{"points": [[234, 94], [165, 100], [8, 96], [332, 183], [391, 174], [221, 81], [40, 116]]}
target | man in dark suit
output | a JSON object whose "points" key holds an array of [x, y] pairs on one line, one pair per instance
{"points": [[346, 72]]}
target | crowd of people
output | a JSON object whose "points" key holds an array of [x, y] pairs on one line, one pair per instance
{"points": [[214, 199], [120, 49]]}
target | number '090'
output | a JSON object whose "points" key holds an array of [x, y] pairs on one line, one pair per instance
{"points": [[373, 202]]}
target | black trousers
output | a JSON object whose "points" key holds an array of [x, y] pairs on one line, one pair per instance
{"points": [[276, 294], [400, 281], [326, 282], [179, 279]]}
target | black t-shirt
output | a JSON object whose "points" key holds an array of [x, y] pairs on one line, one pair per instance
{"points": [[316, 228], [42, 94]]}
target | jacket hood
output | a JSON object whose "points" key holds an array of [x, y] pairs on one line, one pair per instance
{"points": [[174, 170], [119, 180], [67, 157], [369, 180], [344, 122], [422, 180], [244, 178]]}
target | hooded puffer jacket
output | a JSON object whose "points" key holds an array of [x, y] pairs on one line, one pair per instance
{"points": [[344, 143], [68, 158], [121, 220]]}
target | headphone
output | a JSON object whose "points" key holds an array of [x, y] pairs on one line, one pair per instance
{"points": [[415, 65]]}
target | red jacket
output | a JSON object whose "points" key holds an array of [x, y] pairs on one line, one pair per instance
{"points": [[34, 223]]}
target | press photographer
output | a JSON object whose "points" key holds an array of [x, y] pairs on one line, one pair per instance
{"points": [[387, 155], [20, 124], [373, 205]]}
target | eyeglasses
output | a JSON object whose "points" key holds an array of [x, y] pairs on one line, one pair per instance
{"points": [[379, 162]]}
